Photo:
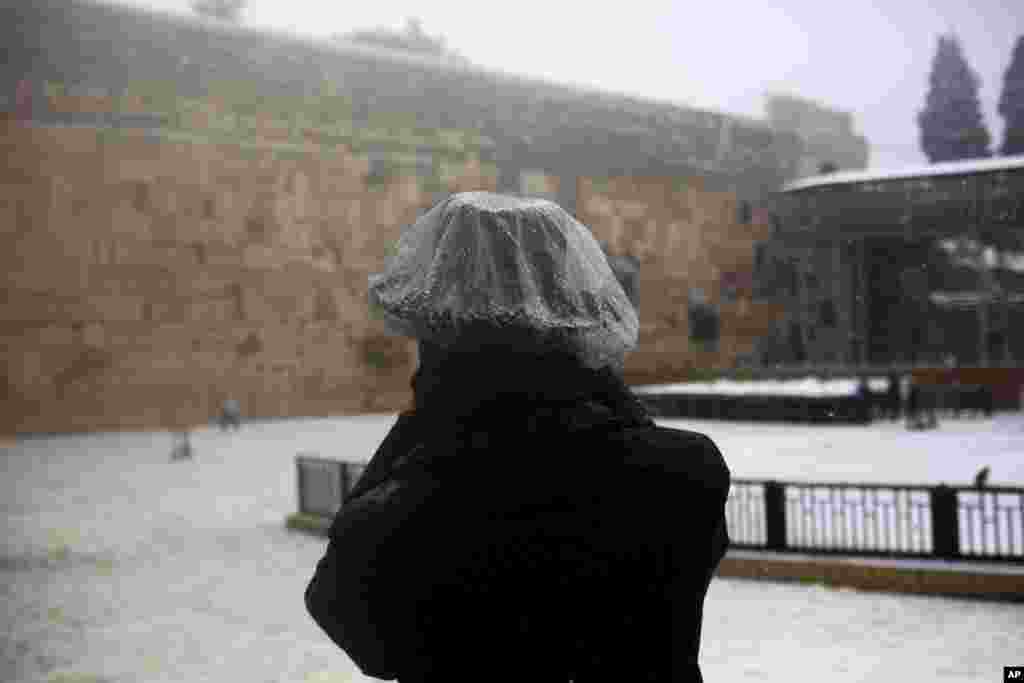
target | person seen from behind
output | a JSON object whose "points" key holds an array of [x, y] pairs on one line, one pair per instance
{"points": [[526, 519]]}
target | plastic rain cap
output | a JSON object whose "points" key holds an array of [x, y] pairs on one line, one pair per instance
{"points": [[481, 268]]}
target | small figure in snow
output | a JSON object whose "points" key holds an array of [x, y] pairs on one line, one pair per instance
{"points": [[231, 416], [893, 398], [183, 447]]}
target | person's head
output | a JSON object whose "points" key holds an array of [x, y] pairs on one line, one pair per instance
{"points": [[493, 274]]}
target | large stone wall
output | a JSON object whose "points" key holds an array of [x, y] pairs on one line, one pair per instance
{"points": [[146, 280], [169, 241], [685, 237]]}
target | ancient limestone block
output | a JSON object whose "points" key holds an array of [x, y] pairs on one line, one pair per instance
{"points": [[55, 335], [296, 235], [385, 218], [203, 282], [123, 169], [162, 311], [252, 344], [167, 362], [336, 211], [631, 210], [336, 184], [31, 307], [324, 258], [125, 220], [409, 190], [255, 305], [229, 226], [598, 205], [26, 372], [209, 311], [81, 143], [357, 166], [262, 257], [300, 193], [14, 216], [325, 307], [93, 335]]}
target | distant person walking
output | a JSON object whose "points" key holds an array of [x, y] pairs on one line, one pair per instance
{"points": [[865, 402], [893, 398], [182, 449], [921, 412], [231, 415]]}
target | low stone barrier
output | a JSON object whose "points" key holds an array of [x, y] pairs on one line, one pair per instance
{"points": [[950, 579]]}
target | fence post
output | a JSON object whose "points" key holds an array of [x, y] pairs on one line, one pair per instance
{"points": [[346, 483], [775, 515], [300, 484], [945, 522]]}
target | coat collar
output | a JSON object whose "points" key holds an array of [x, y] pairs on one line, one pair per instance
{"points": [[485, 406], [482, 392]]}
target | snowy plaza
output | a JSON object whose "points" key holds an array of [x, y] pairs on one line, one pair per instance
{"points": [[120, 565]]}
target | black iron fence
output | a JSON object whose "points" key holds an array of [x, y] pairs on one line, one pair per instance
{"points": [[324, 484], [932, 522], [874, 520]]}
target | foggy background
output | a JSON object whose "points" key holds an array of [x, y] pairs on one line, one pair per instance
{"points": [[869, 58]]}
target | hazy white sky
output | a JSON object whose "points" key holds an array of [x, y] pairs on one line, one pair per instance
{"points": [[870, 57]]}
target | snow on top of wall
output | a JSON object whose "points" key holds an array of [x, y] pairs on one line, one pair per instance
{"points": [[927, 171]]}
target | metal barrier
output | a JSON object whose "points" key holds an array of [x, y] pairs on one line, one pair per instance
{"points": [[946, 400], [954, 399], [935, 522], [874, 520], [804, 409], [324, 484]]}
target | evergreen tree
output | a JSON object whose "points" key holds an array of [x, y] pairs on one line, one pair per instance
{"points": [[1011, 103], [951, 123], [223, 10]]}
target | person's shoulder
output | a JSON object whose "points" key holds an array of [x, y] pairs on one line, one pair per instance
{"points": [[675, 451]]}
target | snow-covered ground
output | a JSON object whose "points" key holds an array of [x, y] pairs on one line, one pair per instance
{"points": [[883, 452], [119, 565]]}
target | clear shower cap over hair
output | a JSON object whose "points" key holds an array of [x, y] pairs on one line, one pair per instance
{"points": [[481, 269]]}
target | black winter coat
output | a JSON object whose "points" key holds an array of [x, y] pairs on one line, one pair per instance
{"points": [[535, 536]]}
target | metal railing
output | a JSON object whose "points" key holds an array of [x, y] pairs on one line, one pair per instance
{"points": [[882, 520], [871, 520], [324, 484]]}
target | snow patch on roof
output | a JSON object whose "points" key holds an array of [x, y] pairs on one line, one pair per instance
{"points": [[806, 387], [971, 298], [926, 171]]}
